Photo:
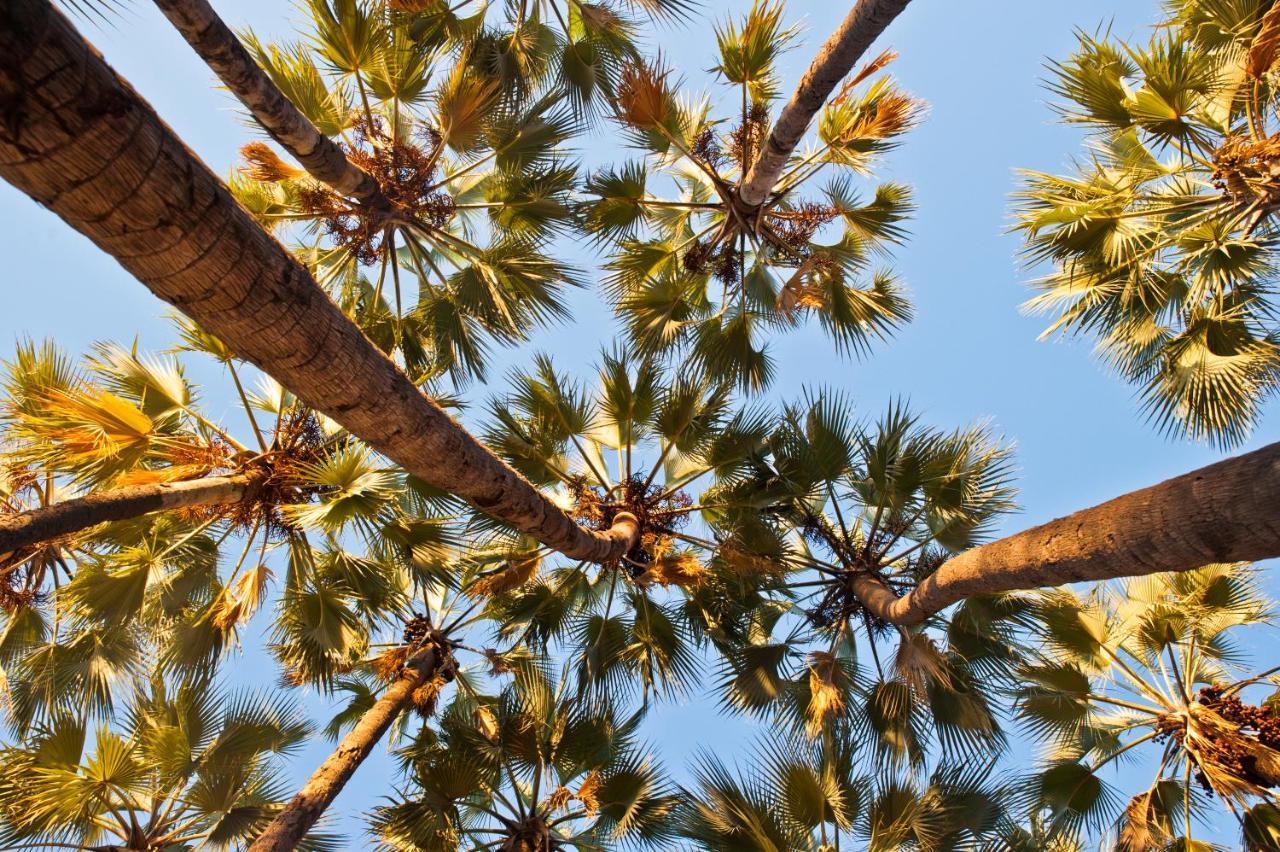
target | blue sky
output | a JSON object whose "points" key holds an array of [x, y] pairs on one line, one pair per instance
{"points": [[968, 355]]}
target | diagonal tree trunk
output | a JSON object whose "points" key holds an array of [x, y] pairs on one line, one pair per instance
{"points": [[218, 46], [862, 26], [1226, 512], [292, 824], [79, 140], [70, 516]]}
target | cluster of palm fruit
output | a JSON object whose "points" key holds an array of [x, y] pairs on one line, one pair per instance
{"points": [[532, 674]]}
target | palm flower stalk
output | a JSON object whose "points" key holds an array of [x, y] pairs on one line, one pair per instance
{"points": [[1161, 241], [1150, 669], [696, 272]]}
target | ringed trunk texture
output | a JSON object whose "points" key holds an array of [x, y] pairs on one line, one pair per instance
{"points": [[70, 516], [1226, 512], [862, 26], [292, 824], [218, 46], [79, 140]]}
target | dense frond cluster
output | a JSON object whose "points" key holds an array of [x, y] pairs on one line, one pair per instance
{"points": [[1161, 240]]}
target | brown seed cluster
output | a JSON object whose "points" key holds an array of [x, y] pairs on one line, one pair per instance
{"points": [[722, 260], [747, 139], [1233, 752], [408, 177], [795, 229], [1249, 170]]}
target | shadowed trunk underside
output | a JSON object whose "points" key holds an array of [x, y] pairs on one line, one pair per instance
{"points": [[80, 141], [324, 785], [1226, 512], [71, 516], [862, 26]]}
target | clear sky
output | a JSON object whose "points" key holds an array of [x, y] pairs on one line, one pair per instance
{"points": [[968, 355]]}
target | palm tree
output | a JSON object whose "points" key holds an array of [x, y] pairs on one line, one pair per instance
{"points": [[474, 187], [532, 769], [829, 505], [187, 766], [695, 272], [179, 229], [799, 795], [1122, 537], [1153, 668], [1161, 238], [638, 440]]}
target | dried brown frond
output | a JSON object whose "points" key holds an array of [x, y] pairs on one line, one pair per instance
{"points": [[893, 113], [388, 665], [486, 723], [1141, 829], [919, 663], [559, 799], [424, 698], [801, 290], [243, 598], [261, 162], [1262, 52], [588, 793], [873, 67], [683, 570], [517, 571], [825, 697], [644, 101]]}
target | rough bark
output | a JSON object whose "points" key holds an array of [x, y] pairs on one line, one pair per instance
{"points": [[79, 140], [218, 46], [292, 824], [70, 516], [1226, 512], [862, 26]]}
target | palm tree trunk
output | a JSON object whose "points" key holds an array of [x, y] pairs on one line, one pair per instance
{"points": [[324, 785], [1226, 512], [27, 528], [218, 46], [862, 26], [79, 140]]}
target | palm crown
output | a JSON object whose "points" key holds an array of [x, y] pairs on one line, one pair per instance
{"points": [[694, 271], [474, 176], [1153, 665], [1162, 238]]}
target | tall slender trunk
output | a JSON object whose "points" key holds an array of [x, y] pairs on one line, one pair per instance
{"points": [[218, 46], [26, 528], [1226, 512], [79, 140], [292, 824], [862, 26]]}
